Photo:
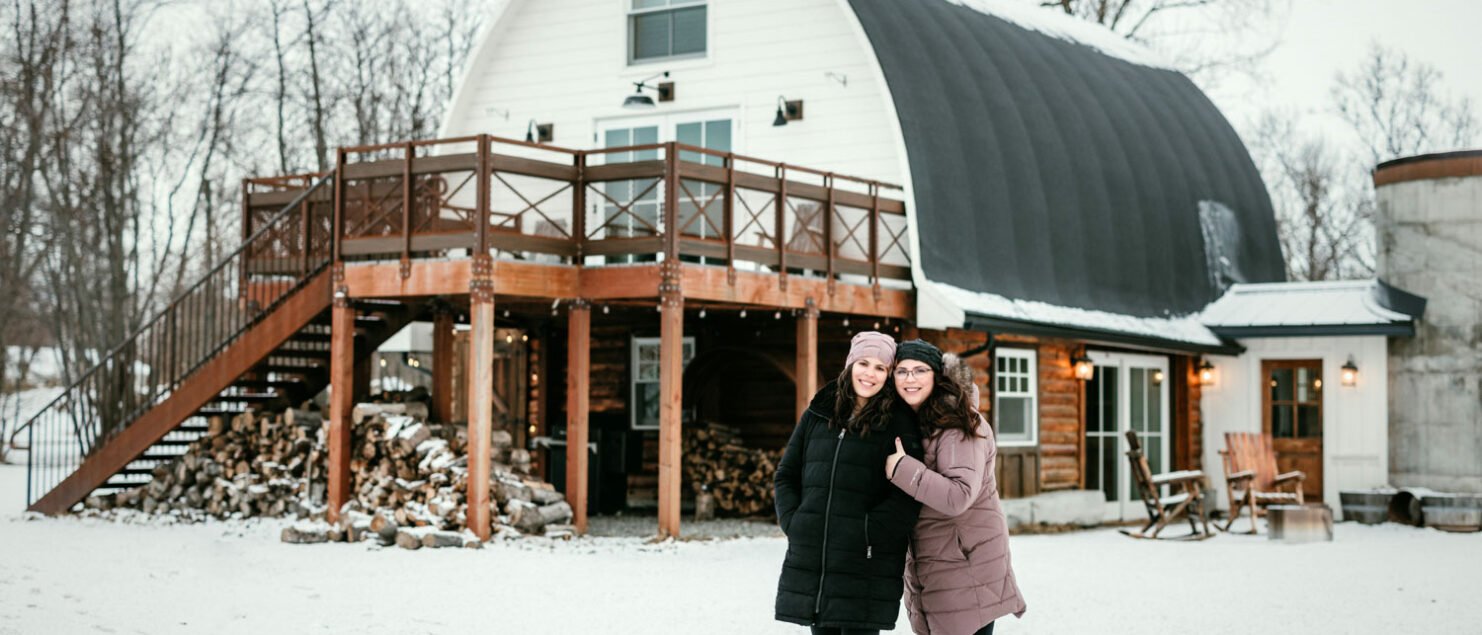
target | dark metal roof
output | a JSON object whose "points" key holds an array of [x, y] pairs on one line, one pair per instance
{"points": [[1046, 170]]}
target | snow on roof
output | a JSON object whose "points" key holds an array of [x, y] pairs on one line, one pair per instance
{"points": [[1186, 329], [1341, 303], [1058, 25]]}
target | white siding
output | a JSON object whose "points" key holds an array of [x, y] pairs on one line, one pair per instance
{"points": [[564, 62], [1355, 419]]}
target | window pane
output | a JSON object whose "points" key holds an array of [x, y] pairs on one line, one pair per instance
{"points": [[717, 137], [1093, 412], [1309, 421], [1109, 468], [649, 4], [648, 405], [689, 31], [1136, 381], [651, 35], [1109, 399], [1155, 409], [1013, 417], [1281, 422], [1001, 364], [644, 136], [690, 134], [1281, 384], [1092, 474]]}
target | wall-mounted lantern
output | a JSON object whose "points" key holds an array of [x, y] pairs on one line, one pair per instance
{"points": [[539, 132], [1208, 376], [1158, 377], [640, 101], [1084, 368], [787, 111], [1350, 373]]}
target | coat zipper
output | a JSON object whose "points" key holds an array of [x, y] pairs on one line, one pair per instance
{"points": [[827, 508], [869, 548]]}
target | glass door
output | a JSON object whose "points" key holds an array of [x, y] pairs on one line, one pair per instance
{"points": [[634, 208], [1127, 392]]}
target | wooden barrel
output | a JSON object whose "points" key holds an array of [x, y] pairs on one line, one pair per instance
{"points": [[1369, 507], [1404, 507], [1453, 512]]}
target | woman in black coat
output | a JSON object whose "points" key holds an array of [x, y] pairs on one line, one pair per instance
{"points": [[847, 527]]}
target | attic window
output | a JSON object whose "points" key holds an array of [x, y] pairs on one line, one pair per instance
{"points": [[666, 30]]}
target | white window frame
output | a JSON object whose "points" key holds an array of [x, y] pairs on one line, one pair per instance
{"points": [[1031, 436], [687, 354], [629, 13]]}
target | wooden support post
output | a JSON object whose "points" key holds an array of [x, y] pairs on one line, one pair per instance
{"points": [[480, 393], [578, 387], [807, 356], [442, 365], [341, 396], [671, 370]]}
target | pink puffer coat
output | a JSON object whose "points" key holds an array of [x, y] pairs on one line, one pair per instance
{"points": [[958, 574]]}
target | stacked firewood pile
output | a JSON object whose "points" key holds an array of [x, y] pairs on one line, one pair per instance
{"points": [[408, 479], [720, 469], [246, 467]]}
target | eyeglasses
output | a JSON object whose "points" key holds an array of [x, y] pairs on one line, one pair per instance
{"points": [[902, 374]]}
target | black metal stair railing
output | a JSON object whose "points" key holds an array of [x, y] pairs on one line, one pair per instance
{"points": [[196, 326]]}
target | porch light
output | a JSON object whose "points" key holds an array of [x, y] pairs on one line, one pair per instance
{"points": [[640, 101], [1158, 377], [1207, 373], [1085, 369], [787, 111], [1350, 373]]}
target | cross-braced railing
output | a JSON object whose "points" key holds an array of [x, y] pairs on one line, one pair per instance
{"points": [[537, 202]]}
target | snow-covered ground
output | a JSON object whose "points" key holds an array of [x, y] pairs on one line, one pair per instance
{"points": [[74, 575]]}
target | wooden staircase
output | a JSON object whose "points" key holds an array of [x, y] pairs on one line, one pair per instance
{"points": [[252, 333]]}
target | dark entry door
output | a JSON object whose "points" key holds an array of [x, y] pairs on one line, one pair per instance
{"points": [[1293, 418]]}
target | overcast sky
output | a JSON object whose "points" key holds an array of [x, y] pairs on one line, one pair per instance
{"points": [[1323, 37]]}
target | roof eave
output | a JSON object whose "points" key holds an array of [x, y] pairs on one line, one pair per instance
{"points": [[980, 322], [1391, 329]]}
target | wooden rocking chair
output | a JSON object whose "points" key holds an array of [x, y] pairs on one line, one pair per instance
{"points": [[1251, 480], [1187, 500]]}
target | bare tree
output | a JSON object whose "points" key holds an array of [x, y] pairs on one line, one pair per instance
{"points": [[1396, 107], [1187, 30]]}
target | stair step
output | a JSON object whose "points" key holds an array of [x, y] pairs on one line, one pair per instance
{"points": [[264, 384], [175, 442], [296, 369], [309, 337], [211, 412], [252, 397]]}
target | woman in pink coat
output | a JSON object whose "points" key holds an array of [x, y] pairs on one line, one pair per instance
{"points": [[959, 579]]}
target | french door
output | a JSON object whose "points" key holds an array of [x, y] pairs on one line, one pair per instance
{"points": [[634, 208], [1127, 392]]}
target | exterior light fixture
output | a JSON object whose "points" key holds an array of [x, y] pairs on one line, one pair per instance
{"points": [[1350, 373], [1084, 368], [1207, 374], [641, 101], [539, 132], [1158, 377], [787, 111], [743, 313]]}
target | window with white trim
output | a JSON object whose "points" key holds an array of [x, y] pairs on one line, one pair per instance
{"points": [[1015, 396], [645, 404], [666, 30]]}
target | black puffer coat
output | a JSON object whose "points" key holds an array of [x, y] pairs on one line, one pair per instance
{"points": [[847, 527]]}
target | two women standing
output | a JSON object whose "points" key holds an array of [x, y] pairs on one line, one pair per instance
{"points": [[865, 456]]}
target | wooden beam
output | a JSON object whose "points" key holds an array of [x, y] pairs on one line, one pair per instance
{"points": [[709, 283], [341, 400], [578, 387], [671, 370], [806, 372], [480, 392], [442, 365], [601, 283], [452, 277]]}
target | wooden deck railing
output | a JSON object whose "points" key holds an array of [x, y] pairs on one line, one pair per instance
{"points": [[614, 205]]}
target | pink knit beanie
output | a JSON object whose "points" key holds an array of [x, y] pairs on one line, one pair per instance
{"points": [[871, 344]]}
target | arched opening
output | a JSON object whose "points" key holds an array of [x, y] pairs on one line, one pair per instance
{"points": [[746, 389]]}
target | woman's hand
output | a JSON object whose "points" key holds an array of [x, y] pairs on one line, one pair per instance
{"points": [[894, 459]]}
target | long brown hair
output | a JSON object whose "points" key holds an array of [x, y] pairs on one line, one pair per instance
{"points": [[874, 415], [947, 408]]}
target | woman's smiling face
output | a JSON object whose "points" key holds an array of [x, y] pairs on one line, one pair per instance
{"points": [[868, 375], [913, 382]]}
